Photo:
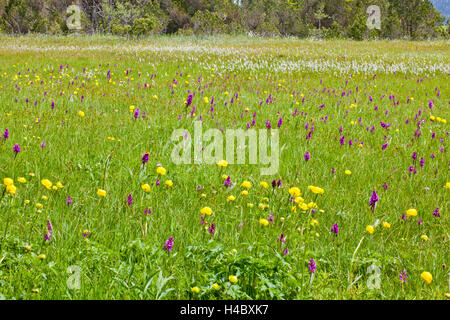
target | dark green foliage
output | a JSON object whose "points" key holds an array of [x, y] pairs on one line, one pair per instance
{"points": [[416, 19]]}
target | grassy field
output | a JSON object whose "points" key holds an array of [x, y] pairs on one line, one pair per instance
{"points": [[371, 116]]}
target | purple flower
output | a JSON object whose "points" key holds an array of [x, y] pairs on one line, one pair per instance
{"points": [[419, 222], [189, 100], [69, 200], [43, 144], [436, 213], [169, 244], [414, 156], [335, 228], [268, 125], [148, 210], [130, 200], [136, 113], [342, 140], [373, 200], [422, 162], [6, 134], [145, 158], [403, 276], [280, 122], [48, 235], [285, 252], [16, 148], [385, 186], [282, 238], [312, 266], [307, 156], [212, 229], [227, 181]]}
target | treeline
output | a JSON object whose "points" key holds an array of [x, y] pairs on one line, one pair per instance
{"points": [[414, 19]]}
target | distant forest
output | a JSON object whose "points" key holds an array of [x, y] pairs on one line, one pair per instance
{"points": [[399, 19]]}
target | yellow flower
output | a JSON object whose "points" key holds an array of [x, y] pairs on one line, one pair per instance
{"points": [[303, 206], [348, 172], [316, 190], [27, 247], [231, 198], [22, 180], [224, 176], [427, 277], [146, 187], [45, 198], [54, 188], [11, 189], [101, 193], [246, 185], [294, 209], [47, 183], [195, 290], [207, 211], [39, 205], [299, 200], [250, 205], [264, 222], [424, 237], [8, 181], [295, 192], [35, 290], [411, 212], [222, 163], [81, 113], [264, 184], [244, 192], [370, 229], [169, 183], [206, 99], [59, 185], [386, 225], [161, 171], [314, 222], [27, 201], [215, 286], [42, 256], [447, 185], [233, 279]]}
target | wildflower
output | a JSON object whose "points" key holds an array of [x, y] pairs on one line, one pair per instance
{"points": [[411, 212], [169, 183], [59, 185], [47, 183], [22, 180], [233, 279], [335, 228], [307, 156], [16, 149], [6, 134], [295, 192], [427, 277], [373, 200], [286, 251], [48, 236], [42, 256], [386, 225], [436, 213], [348, 172], [145, 158], [43, 144], [424, 237], [129, 200], [206, 210], [370, 229], [146, 187], [403, 277], [215, 286], [101, 193], [264, 222], [316, 190], [11, 189], [8, 181], [27, 247], [447, 185], [212, 229], [86, 233], [312, 266], [222, 163], [169, 244], [161, 171], [195, 290], [227, 181], [81, 113], [246, 184]]}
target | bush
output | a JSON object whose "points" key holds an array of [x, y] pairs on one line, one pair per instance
{"points": [[147, 25]]}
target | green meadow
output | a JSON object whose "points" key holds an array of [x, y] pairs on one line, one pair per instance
{"points": [[357, 208]]}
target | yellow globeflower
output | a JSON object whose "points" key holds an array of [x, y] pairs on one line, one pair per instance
{"points": [[81, 113], [295, 192], [447, 185], [411, 212], [427, 277], [264, 184], [161, 171], [195, 290], [47, 183], [233, 279], [264, 222], [424, 237], [386, 225], [316, 190], [244, 192], [169, 183], [59, 185], [348, 172], [370, 229], [22, 180], [246, 185], [215, 286], [207, 211], [222, 163], [11, 189], [101, 193], [146, 187], [8, 181]]}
